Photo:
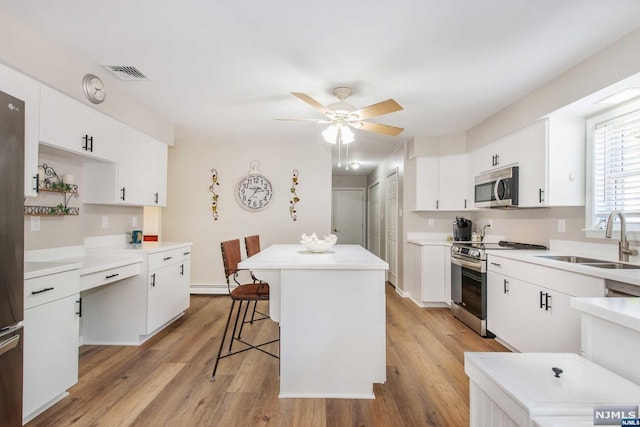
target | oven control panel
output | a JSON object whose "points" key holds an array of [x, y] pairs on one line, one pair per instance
{"points": [[466, 251]]}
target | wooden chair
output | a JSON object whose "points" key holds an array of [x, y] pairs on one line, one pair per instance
{"points": [[243, 294]]}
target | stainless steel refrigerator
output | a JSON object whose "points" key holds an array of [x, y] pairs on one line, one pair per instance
{"points": [[11, 258]]}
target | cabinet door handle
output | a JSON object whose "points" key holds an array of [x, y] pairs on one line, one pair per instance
{"points": [[540, 195], [111, 276], [122, 190], [37, 180], [547, 302], [91, 146], [153, 280], [155, 198], [493, 160], [182, 269], [85, 145], [465, 203], [497, 159], [541, 299], [167, 258], [506, 286], [41, 291], [79, 312]]}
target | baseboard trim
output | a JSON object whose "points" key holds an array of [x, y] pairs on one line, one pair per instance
{"points": [[209, 289]]}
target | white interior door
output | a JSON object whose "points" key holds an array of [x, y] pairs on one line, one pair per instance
{"points": [[373, 219], [348, 215], [391, 226]]}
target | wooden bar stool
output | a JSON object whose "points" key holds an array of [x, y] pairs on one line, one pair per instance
{"points": [[252, 246], [243, 294]]}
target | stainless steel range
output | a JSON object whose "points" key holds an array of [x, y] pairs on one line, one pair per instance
{"points": [[469, 281]]}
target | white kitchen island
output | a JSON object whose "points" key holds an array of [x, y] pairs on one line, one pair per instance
{"points": [[331, 311]]}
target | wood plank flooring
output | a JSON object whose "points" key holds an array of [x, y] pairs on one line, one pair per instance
{"points": [[165, 382]]}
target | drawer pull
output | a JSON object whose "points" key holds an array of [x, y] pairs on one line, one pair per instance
{"points": [[41, 291], [186, 253], [496, 264], [167, 258], [111, 276]]}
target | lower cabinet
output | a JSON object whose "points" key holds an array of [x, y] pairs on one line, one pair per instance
{"points": [[429, 279], [51, 327], [528, 305], [130, 311]]}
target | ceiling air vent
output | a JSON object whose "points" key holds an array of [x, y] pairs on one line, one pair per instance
{"points": [[126, 72]]}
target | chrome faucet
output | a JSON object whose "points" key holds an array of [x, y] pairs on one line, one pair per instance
{"points": [[483, 232], [623, 245]]}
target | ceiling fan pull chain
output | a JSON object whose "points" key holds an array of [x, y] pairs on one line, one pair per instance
{"points": [[339, 140]]}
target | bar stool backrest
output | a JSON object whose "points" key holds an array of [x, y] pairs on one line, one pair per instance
{"points": [[230, 258], [252, 244]]}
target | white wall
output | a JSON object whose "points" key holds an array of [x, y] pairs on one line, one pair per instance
{"points": [[188, 214], [25, 50]]}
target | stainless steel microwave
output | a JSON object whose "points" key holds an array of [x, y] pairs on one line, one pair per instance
{"points": [[497, 189]]}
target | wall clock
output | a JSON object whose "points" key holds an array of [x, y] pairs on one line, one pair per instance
{"points": [[93, 88], [254, 192]]}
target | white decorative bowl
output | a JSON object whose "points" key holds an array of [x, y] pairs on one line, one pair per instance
{"points": [[313, 244]]}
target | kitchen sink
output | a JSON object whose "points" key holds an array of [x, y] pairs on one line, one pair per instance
{"points": [[590, 262], [612, 265], [571, 258]]}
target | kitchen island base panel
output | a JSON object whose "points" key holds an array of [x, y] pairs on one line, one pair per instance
{"points": [[332, 331]]}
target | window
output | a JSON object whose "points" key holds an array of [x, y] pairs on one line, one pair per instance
{"points": [[615, 166]]}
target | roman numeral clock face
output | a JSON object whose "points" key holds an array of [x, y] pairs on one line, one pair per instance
{"points": [[254, 192]]}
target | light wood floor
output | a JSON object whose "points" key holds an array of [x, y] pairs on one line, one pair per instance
{"points": [[165, 382]]}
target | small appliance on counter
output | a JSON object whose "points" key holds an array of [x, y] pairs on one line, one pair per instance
{"points": [[462, 229]]}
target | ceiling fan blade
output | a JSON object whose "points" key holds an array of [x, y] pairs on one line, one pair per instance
{"points": [[384, 107], [377, 127], [315, 104]]}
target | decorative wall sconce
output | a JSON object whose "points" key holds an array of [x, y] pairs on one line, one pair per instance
{"points": [[214, 196], [294, 197]]}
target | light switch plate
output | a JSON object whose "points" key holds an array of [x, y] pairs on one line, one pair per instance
{"points": [[134, 221], [105, 221], [35, 223], [562, 224]]}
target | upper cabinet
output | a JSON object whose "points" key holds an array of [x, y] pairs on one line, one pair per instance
{"points": [[28, 90], [442, 183], [139, 177], [69, 124], [551, 156], [500, 153]]}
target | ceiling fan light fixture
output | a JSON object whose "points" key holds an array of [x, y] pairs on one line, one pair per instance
{"points": [[354, 165], [347, 135], [330, 134]]}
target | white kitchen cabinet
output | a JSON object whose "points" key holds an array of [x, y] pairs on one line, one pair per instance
{"points": [[429, 285], [528, 305], [551, 155], [442, 183], [70, 125], [51, 327], [139, 177], [130, 311], [498, 154], [27, 90]]}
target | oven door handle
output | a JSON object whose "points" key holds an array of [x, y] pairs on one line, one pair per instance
{"points": [[470, 265]]}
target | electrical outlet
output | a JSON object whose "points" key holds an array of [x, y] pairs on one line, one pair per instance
{"points": [[105, 221], [134, 221], [430, 222], [35, 223], [562, 224]]}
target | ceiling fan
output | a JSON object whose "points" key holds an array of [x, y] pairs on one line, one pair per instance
{"points": [[341, 114]]}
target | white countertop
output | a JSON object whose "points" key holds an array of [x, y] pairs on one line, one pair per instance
{"points": [[38, 269], [622, 311], [297, 257], [532, 256], [430, 242], [90, 260]]}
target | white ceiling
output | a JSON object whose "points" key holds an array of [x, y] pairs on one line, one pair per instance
{"points": [[231, 65]]}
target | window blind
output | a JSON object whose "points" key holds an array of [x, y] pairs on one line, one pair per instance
{"points": [[617, 167]]}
